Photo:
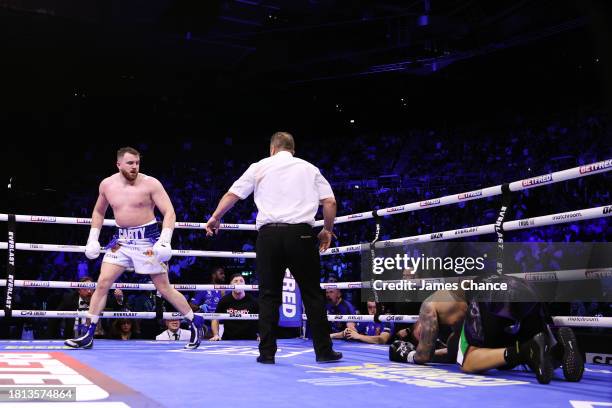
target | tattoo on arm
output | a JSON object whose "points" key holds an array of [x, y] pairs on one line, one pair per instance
{"points": [[428, 319]]}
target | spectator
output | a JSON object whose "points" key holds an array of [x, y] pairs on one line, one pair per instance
{"points": [[338, 306], [370, 332], [236, 303], [124, 329], [173, 331]]}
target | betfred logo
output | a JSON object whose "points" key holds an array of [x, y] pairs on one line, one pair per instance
{"points": [[589, 168], [395, 209], [534, 181], [224, 286], [353, 216], [185, 286], [86, 285], [471, 194], [36, 284], [83, 220], [354, 285], [436, 235], [428, 203], [607, 210], [42, 218], [229, 226], [127, 285], [188, 224]]}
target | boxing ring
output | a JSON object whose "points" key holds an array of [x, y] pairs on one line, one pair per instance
{"points": [[152, 373]]}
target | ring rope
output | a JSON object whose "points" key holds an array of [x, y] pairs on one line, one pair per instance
{"points": [[525, 223], [524, 184], [575, 321]]}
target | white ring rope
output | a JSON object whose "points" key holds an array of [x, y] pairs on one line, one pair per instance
{"points": [[525, 223], [575, 321], [544, 276], [551, 178]]}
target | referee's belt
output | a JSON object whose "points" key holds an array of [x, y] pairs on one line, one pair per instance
{"points": [[283, 224]]}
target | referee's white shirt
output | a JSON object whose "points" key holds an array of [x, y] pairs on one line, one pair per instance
{"points": [[287, 189], [168, 335]]}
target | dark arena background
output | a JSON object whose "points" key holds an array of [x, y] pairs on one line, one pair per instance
{"points": [[398, 103]]}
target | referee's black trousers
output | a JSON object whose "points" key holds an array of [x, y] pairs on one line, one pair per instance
{"points": [[295, 247]]}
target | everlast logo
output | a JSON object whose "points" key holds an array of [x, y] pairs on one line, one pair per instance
{"points": [[471, 194], [224, 286], [337, 317], [10, 278], [230, 226], [334, 250], [35, 218], [353, 216], [83, 221], [36, 246], [436, 235], [498, 225], [395, 209], [132, 233], [607, 210], [354, 248], [393, 318], [428, 203], [124, 314], [524, 223], [466, 231], [596, 166], [537, 180], [183, 251], [177, 314], [11, 248]]}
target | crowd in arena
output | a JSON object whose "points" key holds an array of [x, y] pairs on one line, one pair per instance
{"points": [[367, 171]]}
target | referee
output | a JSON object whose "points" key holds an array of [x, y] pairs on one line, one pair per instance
{"points": [[287, 192]]}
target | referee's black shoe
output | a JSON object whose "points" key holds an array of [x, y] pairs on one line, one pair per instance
{"points": [[329, 357]]}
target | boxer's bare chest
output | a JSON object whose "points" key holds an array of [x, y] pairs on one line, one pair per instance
{"points": [[128, 197]]}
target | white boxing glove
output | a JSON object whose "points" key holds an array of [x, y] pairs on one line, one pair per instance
{"points": [[162, 249], [92, 249]]}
